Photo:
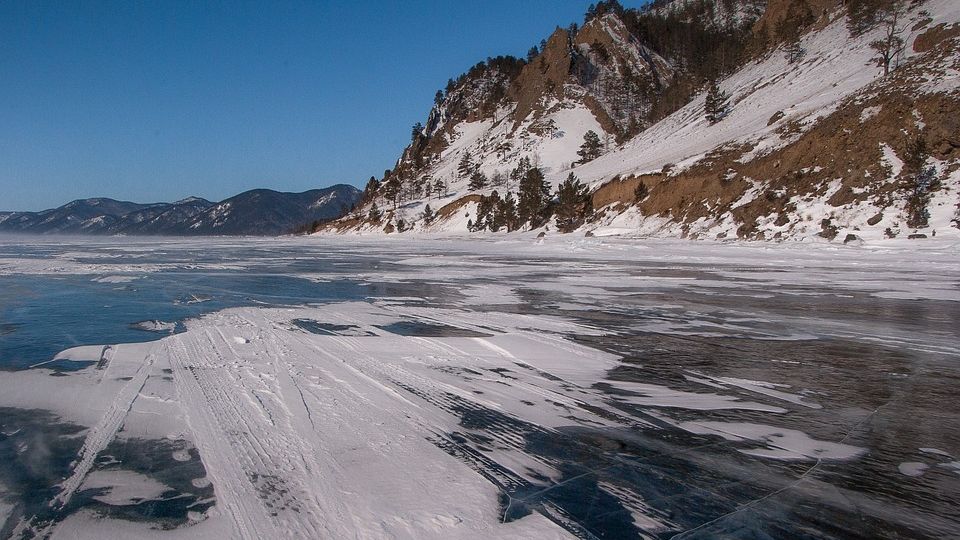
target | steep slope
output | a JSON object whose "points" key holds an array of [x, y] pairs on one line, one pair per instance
{"points": [[256, 212], [812, 149], [811, 146], [597, 78]]}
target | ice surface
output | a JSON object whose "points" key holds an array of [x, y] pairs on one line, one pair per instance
{"points": [[666, 384]]}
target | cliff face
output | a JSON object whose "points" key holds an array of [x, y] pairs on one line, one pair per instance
{"points": [[814, 143]]}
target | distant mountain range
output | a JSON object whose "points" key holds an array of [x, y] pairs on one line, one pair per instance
{"points": [[254, 212]]}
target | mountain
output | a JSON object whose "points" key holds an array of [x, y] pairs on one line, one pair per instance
{"points": [[271, 212], [255, 212], [809, 136]]}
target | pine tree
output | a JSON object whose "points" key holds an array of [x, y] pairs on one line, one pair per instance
{"points": [[534, 199], [426, 184], [416, 131], [416, 188], [590, 149], [573, 204], [465, 168], [391, 189], [478, 181], [520, 171], [374, 215], [640, 192], [438, 98], [485, 212], [794, 52], [427, 214], [507, 213], [923, 180], [370, 190], [715, 104], [439, 187], [862, 15]]}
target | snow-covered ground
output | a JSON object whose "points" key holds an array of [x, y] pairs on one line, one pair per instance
{"points": [[509, 388]]}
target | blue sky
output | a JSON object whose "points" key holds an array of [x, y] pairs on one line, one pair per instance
{"points": [[156, 101]]}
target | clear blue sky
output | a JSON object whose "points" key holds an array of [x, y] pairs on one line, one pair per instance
{"points": [[158, 100]]}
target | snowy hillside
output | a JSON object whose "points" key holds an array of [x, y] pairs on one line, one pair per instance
{"points": [[709, 180]]}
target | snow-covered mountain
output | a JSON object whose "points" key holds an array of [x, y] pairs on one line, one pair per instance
{"points": [[255, 212], [813, 141]]}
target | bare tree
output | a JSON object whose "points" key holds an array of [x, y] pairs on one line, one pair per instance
{"points": [[891, 45]]}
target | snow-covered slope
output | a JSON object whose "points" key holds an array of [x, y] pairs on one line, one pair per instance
{"points": [[711, 180]]}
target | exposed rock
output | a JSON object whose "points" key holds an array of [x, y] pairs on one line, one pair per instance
{"points": [[935, 36]]}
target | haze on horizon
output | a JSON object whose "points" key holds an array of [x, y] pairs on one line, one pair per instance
{"points": [[157, 102]]}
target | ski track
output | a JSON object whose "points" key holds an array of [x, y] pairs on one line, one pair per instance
{"points": [[101, 434], [260, 460]]}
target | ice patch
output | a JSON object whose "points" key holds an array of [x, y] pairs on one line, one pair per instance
{"points": [[912, 468], [123, 487], [777, 443]]}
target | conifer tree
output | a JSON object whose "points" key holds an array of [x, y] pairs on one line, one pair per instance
{"points": [[794, 52], [640, 192], [465, 168], [573, 204], [922, 181], [534, 199], [416, 131], [440, 187], [391, 189], [716, 103], [520, 171], [374, 215], [507, 213], [427, 214], [485, 212], [862, 15], [590, 149], [370, 190], [478, 181]]}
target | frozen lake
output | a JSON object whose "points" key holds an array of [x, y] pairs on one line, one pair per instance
{"points": [[445, 388]]}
